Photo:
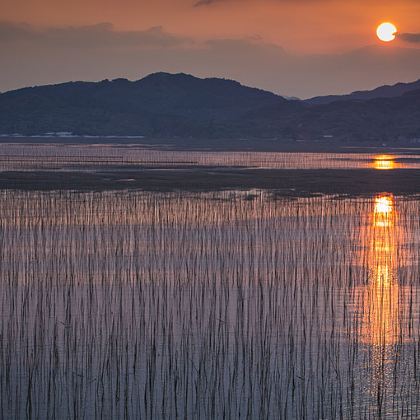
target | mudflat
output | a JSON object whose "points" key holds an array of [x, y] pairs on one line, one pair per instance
{"points": [[284, 182]]}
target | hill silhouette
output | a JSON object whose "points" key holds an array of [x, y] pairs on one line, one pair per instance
{"points": [[181, 105]]}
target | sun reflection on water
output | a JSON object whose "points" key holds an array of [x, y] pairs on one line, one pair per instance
{"points": [[383, 212], [384, 163], [380, 308]]}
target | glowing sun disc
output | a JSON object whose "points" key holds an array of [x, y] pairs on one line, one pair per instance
{"points": [[386, 31]]}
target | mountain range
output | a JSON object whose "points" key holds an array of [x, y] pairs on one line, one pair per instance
{"points": [[181, 105], [387, 91]]}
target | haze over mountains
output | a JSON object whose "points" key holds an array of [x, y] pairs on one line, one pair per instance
{"points": [[180, 105], [33, 55], [381, 92]]}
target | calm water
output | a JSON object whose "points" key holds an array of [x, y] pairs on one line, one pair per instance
{"points": [[88, 157], [208, 306]]}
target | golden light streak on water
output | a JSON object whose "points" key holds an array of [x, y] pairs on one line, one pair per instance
{"points": [[380, 309], [383, 303], [385, 163], [383, 211]]}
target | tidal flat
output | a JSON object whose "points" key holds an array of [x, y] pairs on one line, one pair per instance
{"points": [[234, 302], [116, 166]]}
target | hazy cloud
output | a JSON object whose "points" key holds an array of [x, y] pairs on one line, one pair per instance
{"points": [[210, 2], [33, 56], [14, 31], [99, 35], [205, 2], [410, 37]]}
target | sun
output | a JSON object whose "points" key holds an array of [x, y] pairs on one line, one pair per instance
{"points": [[386, 31]]}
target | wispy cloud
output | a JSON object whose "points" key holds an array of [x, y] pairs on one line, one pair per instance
{"points": [[211, 2], [206, 2], [410, 37], [203, 3], [101, 34]]}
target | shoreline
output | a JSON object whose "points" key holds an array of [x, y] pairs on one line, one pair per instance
{"points": [[221, 145]]}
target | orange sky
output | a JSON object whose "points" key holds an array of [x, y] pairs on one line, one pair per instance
{"points": [[293, 47], [296, 25]]}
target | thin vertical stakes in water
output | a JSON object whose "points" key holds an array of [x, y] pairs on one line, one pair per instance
{"points": [[147, 305]]}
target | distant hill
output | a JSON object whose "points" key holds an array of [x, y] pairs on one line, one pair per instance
{"points": [[381, 92], [160, 104], [180, 105]]}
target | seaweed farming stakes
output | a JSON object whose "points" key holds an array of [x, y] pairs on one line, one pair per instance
{"points": [[208, 305]]}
